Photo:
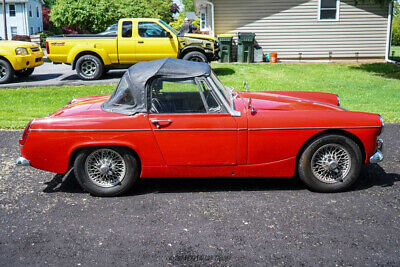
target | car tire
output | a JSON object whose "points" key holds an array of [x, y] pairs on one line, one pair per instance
{"points": [[89, 67], [6, 71], [195, 56], [331, 163], [24, 73], [116, 180]]}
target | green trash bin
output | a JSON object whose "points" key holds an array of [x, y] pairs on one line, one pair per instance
{"points": [[245, 52], [225, 47]]}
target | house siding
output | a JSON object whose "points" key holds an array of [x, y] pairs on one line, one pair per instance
{"points": [[22, 21], [292, 27]]}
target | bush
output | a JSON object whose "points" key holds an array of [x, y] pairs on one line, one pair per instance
{"points": [[396, 31], [178, 23], [25, 38]]}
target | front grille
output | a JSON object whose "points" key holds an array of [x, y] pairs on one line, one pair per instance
{"points": [[35, 49]]}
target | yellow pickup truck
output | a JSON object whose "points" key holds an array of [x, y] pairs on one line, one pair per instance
{"points": [[136, 40], [18, 58]]}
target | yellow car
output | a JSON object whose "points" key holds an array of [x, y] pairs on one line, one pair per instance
{"points": [[18, 58], [136, 40]]}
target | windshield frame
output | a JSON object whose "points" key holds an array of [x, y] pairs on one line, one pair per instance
{"points": [[225, 95], [163, 23]]}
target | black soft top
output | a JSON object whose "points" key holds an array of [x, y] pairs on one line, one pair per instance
{"points": [[139, 74]]}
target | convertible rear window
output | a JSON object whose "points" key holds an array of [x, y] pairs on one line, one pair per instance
{"points": [[122, 95]]}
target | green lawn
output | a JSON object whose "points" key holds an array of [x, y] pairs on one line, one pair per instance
{"points": [[395, 53], [362, 87]]}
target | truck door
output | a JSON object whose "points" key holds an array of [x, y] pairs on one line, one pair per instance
{"points": [[126, 42], [153, 42]]}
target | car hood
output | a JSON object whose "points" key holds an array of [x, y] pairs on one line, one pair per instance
{"points": [[18, 44], [266, 100], [200, 36]]}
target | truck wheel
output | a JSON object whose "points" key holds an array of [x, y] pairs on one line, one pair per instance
{"points": [[6, 71], [106, 171], [332, 163], [89, 67], [195, 56], [24, 72]]}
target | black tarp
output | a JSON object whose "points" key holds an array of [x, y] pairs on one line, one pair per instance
{"points": [[139, 75]]}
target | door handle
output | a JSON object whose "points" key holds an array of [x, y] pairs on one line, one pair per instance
{"points": [[140, 42], [159, 123]]}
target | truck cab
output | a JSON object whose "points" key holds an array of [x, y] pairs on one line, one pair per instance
{"points": [[137, 40]]}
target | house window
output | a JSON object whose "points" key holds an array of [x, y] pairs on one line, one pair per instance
{"points": [[31, 31], [13, 31], [12, 10], [37, 11], [328, 10], [30, 11], [38, 29]]}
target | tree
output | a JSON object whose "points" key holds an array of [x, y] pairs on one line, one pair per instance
{"points": [[189, 5], [396, 25], [90, 16], [49, 3]]}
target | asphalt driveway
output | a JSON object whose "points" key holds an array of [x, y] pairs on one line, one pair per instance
{"points": [[50, 74], [224, 221]]}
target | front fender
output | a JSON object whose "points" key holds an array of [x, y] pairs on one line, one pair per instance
{"points": [[190, 48]]}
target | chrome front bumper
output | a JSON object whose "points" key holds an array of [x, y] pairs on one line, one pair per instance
{"points": [[378, 156], [21, 161]]}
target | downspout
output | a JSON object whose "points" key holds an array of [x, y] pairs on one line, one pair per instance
{"points": [[389, 34], [26, 21], [212, 19]]}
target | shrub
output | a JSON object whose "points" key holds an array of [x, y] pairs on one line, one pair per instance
{"points": [[21, 38], [396, 31]]}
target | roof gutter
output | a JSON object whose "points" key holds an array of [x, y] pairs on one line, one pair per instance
{"points": [[389, 33]]}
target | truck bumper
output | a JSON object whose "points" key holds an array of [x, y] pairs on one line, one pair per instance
{"points": [[28, 61]]}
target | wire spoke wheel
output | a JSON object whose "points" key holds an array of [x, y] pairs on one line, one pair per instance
{"points": [[105, 167], [331, 163], [89, 68]]}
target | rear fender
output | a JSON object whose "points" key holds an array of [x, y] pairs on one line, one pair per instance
{"points": [[80, 50]]}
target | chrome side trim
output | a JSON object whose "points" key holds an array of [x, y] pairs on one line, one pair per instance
{"points": [[90, 130], [201, 129], [312, 128], [21, 161]]}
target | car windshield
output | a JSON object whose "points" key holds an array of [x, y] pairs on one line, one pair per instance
{"points": [[222, 89], [169, 27]]}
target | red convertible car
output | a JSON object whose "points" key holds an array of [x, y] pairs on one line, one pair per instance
{"points": [[174, 118]]}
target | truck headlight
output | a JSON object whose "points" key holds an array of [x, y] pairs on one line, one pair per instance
{"points": [[21, 51]]}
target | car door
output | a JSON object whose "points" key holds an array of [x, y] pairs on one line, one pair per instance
{"points": [[191, 126], [126, 42], [153, 42]]}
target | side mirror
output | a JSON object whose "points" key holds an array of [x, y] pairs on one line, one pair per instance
{"points": [[246, 86], [168, 34]]}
